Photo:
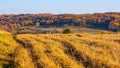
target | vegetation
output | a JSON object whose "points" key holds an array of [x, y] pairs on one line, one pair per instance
{"points": [[24, 22], [59, 50], [66, 31], [8, 47]]}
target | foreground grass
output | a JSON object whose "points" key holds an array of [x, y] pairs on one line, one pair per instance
{"points": [[59, 51], [7, 48]]}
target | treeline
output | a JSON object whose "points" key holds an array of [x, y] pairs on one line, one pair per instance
{"points": [[12, 22]]}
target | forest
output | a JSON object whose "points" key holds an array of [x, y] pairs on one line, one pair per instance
{"points": [[23, 22]]}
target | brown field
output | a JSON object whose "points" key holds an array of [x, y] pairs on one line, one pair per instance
{"points": [[59, 50]]}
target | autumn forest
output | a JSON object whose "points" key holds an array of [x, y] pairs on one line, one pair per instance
{"points": [[23, 22]]}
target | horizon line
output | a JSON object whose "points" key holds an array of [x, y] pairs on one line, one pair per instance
{"points": [[56, 13]]}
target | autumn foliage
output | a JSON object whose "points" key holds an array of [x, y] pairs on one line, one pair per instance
{"points": [[12, 22]]}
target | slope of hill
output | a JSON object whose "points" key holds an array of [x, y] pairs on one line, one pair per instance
{"points": [[59, 51], [27, 22], [8, 47]]}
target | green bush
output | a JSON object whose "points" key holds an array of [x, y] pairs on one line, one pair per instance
{"points": [[66, 31]]}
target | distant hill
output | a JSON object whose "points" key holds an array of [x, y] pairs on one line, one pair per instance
{"points": [[59, 50], [12, 22]]}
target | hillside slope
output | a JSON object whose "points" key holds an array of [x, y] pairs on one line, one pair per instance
{"points": [[8, 46], [59, 51], [30, 23]]}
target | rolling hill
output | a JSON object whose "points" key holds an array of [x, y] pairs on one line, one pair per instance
{"points": [[30, 23], [59, 50]]}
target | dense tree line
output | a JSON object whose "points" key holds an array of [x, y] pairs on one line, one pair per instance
{"points": [[12, 22]]}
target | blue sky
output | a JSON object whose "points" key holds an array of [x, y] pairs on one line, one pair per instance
{"points": [[58, 6]]}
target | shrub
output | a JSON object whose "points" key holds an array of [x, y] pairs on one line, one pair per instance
{"points": [[66, 31]]}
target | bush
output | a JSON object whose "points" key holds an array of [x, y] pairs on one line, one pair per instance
{"points": [[66, 31]]}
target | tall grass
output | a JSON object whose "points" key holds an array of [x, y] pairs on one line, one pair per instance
{"points": [[60, 51], [7, 49]]}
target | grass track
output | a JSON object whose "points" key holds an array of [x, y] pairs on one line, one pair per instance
{"points": [[59, 51]]}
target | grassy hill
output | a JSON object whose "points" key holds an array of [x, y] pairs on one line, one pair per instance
{"points": [[59, 50]]}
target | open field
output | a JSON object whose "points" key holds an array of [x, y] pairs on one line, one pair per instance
{"points": [[59, 30], [59, 50]]}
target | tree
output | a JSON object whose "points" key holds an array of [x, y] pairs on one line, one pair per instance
{"points": [[114, 25], [66, 31], [37, 24]]}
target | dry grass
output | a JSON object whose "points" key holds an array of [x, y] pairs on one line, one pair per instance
{"points": [[63, 51], [7, 48]]}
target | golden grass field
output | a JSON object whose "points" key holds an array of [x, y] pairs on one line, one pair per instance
{"points": [[59, 50]]}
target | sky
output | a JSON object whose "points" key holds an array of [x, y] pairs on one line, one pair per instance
{"points": [[58, 6]]}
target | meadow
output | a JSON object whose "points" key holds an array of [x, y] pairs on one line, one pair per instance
{"points": [[59, 50]]}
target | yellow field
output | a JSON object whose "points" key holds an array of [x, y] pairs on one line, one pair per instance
{"points": [[59, 51]]}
